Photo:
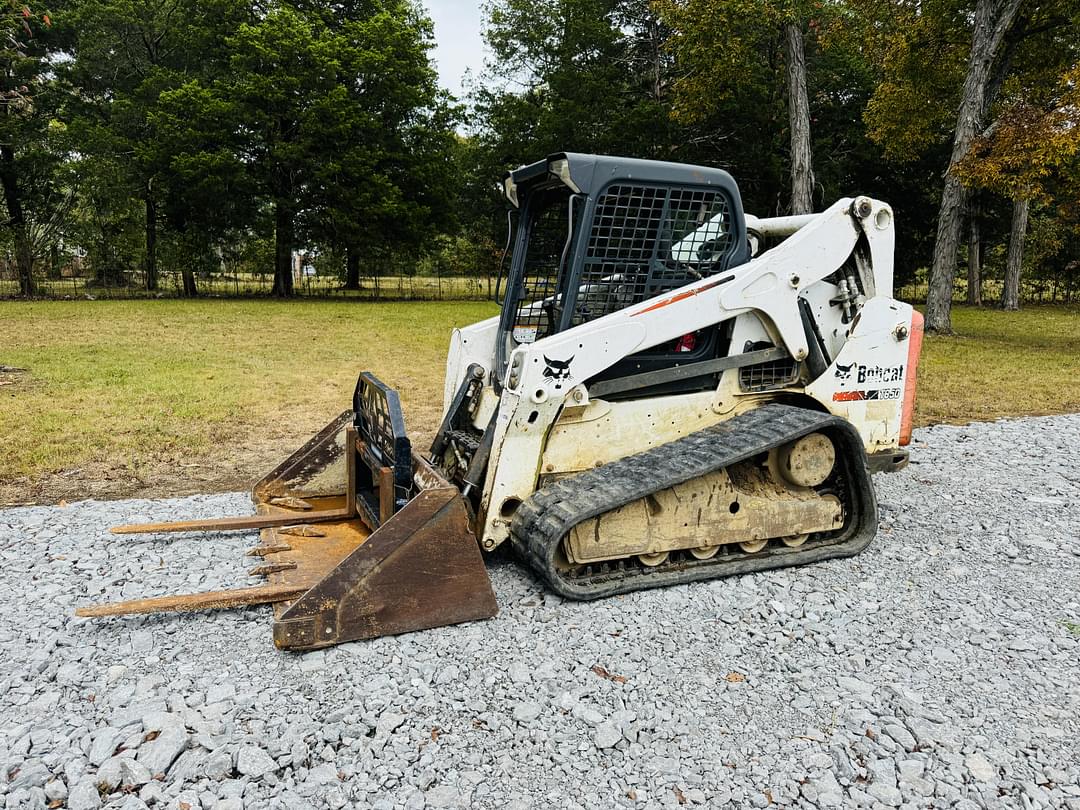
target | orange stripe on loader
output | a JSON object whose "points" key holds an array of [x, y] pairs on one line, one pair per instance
{"points": [[914, 349]]}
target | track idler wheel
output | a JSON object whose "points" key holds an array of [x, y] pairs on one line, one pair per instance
{"points": [[753, 546], [653, 560], [807, 461]]}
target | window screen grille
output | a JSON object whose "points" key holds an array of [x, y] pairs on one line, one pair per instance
{"points": [[645, 240]]}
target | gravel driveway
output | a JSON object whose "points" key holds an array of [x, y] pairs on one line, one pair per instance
{"points": [[938, 669]]}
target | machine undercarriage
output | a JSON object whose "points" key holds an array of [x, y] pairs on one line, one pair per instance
{"points": [[728, 508]]}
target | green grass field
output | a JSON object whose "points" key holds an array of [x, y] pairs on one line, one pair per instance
{"points": [[153, 397], [1001, 364], [157, 397]]}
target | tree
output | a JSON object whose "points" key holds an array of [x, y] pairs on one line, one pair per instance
{"points": [[589, 76], [944, 66], [802, 173], [1055, 247], [1036, 134], [574, 75], [992, 21], [106, 223], [921, 52], [304, 120], [299, 76], [384, 184], [729, 52], [128, 54], [207, 192], [25, 79]]}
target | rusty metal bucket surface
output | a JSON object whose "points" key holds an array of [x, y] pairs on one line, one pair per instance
{"points": [[420, 569]]}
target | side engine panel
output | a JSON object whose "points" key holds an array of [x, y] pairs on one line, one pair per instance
{"points": [[866, 381]]}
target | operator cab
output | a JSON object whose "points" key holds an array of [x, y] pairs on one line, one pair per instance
{"points": [[596, 234]]}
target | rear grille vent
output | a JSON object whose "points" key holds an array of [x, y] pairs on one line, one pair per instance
{"points": [[770, 375]]}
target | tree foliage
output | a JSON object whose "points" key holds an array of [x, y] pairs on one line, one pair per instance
{"points": [[183, 138], [944, 66], [204, 122], [30, 156], [1031, 139]]}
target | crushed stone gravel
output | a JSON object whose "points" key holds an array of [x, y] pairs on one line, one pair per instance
{"points": [[937, 669]]}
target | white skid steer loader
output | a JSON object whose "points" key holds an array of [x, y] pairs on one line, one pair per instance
{"points": [[673, 391]]}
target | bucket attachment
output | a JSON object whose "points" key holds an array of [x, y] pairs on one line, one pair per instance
{"points": [[360, 538]]}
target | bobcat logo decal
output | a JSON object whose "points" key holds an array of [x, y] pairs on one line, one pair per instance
{"points": [[844, 372], [556, 370]]}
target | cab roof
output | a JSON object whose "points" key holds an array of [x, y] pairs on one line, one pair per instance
{"points": [[589, 173]]}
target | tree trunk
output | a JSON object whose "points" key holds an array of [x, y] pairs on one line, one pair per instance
{"points": [[151, 244], [1010, 293], [24, 257], [992, 20], [657, 43], [54, 262], [284, 238], [187, 276], [352, 268], [974, 291], [802, 172]]}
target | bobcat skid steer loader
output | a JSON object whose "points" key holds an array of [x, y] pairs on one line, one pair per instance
{"points": [[673, 391]]}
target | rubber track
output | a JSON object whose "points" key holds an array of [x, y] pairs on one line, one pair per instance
{"points": [[544, 519]]}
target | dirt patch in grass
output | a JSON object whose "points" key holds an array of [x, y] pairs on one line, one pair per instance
{"points": [[13, 379], [230, 469], [159, 398]]}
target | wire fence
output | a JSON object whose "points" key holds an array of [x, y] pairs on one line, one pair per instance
{"points": [[1032, 291], [430, 287], [254, 285]]}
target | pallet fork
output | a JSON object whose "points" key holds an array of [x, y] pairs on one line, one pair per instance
{"points": [[360, 537]]}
